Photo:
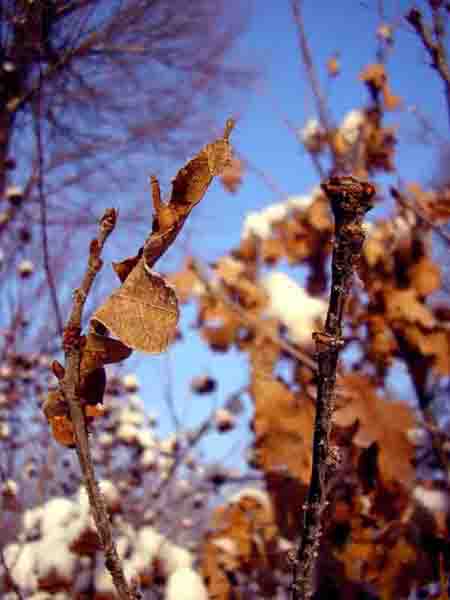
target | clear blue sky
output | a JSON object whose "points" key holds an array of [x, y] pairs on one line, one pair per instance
{"points": [[261, 135]]}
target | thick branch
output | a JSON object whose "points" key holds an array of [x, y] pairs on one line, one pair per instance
{"points": [[350, 200]]}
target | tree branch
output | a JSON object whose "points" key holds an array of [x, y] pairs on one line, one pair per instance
{"points": [[309, 66], [350, 200], [433, 45], [43, 213], [70, 386], [189, 187]]}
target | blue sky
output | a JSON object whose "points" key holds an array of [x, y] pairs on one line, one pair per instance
{"points": [[262, 136]]}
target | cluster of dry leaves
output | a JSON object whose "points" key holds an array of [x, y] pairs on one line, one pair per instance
{"points": [[378, 536], [386, 529]]}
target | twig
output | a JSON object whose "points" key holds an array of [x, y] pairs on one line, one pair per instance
{"points": [[70, 385], [43, 211], [309, 66], [169, 395], [350, 200], [194, 439], [433, 45]]}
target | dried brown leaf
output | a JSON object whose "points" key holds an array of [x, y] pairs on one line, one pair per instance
{"points": [[100, 350], [188, 188], [425, 276], [143, 312], [375, 75], [124, 267], [381, 421], [403, 305]]}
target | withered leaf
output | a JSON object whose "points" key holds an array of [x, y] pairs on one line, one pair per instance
{"points": [[188, 188], [381, 421], [143, 313], [243, 539], [425, 276], [101, 350], [403, 305], [57, 414], [124, 267], [375, 75], [54, 406]]}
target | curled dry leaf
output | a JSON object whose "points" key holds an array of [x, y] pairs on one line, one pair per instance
{"points": [[56, 412], [96, 351], [188, 188], [100, 350], [124, 268], [143, 313]]}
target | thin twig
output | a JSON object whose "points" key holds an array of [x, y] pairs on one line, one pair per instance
{"points": [[433, 45], [350, 200], [70, 386], [321, 104], [169, 395], [43, 210]]}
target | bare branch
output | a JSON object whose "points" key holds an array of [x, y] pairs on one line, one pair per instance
{"points": [[433, 45], [309, 66], [350, 200], [43, 216]]}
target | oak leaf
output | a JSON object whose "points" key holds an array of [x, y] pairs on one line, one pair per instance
{"points": [[383, 421]]}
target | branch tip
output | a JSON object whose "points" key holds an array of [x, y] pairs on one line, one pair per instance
{"points": [[229, 126]]}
